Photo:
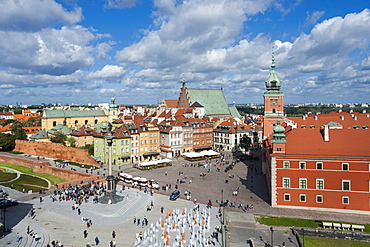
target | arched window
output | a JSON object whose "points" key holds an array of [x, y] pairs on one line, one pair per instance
{"points": [[273, 110], [76, 122], [54, 123], [86, 121], [96, 121]]}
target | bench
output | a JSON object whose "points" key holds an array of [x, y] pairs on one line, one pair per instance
{"points": [[337, 225], [346, 226], [327, 224], [358, 227]]}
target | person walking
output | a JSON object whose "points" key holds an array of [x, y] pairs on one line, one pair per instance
{"points": [[162, 209], [97, 241], [85, 234], [113, 234]]}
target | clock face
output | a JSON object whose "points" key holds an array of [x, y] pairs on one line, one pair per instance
{"points": [[273, 102]]}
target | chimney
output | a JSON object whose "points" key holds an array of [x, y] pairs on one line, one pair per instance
{"points": [[342, 117], [363, 111], [326, 133], [304, 117], [355, 117], [315, 117]]}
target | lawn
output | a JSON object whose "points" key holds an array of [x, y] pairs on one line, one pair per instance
{"points": [[330, 242], [28, 182], [6, 176], [282, 221], [26, 170]]}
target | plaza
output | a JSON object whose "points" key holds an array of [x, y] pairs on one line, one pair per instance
{"points": [[58, 221]]}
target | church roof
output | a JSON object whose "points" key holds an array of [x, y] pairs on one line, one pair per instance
{"points": [[72, 113], [40, 135], [213, 101]]}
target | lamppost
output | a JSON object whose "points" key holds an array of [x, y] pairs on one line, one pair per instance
{"points": [[303, 235], [272, 236]]}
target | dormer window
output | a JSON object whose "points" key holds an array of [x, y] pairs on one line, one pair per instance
{"points": [[303, 126]]}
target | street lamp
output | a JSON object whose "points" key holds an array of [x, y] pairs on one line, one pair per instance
{"points": [[303, 235], [272, 236]]}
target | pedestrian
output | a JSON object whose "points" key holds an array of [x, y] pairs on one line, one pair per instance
{"points": [[113, 234], [97, 241], [162, 209], [138, 221], [85, 234], [79, 211], [28, 229], [165, 173], [134, 219], [88, 245]]}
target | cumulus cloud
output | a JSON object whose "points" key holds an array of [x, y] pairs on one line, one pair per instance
{"points": [[107, 71], [33, 15]]}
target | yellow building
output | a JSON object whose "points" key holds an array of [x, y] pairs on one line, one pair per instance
{"points": [[72, 118], [149, 142]]}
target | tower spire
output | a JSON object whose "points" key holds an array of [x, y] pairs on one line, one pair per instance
{"points": [[273, 83]]}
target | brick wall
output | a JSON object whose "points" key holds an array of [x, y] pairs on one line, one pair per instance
{"points": [[55, 150], [42, 166]]}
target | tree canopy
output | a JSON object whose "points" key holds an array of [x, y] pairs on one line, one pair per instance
{"points": [[245, 142], [59, 138], [7, 142]]}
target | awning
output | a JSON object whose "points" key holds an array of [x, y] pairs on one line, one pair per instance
{"points": [[202, 148], [150, 153], [125, 157]]}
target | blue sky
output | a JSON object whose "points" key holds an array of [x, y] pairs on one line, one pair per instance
{"points": [[86, 51]]}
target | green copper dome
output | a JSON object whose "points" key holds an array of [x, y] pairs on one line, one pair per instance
{"points": [[273, 83]]}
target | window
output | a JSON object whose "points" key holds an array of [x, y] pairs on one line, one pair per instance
{"points": [[302, 197], [286, 197], [319, 183], [302, 165], [319, 199], [345, 199], [286, 165], [345, 166], [319, 166], [286, 183], [346, 185], [303, 183]]}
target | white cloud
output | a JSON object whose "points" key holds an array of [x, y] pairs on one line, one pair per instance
{"points": [[313, 17], [120, 4], [107, 71], [33, 15]]}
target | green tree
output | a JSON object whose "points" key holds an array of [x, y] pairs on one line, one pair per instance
{"points": [[90, 148], [245, 142], [7, 142], [18, 132], [59, 138], [72, 142], [33, 121]]}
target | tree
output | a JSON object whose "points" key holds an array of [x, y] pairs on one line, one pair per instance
{"points": [[245, 142], [90, 148], [33, 121], [72, 142], [18, 132], [59, 138], [7, 142]]}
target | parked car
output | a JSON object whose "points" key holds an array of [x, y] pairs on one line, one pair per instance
{"points": [[175, 195]]}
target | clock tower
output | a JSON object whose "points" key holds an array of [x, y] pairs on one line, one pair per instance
{"points": [[273, 101]]}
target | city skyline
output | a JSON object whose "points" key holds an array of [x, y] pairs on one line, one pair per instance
{"points": [[74, 51]]}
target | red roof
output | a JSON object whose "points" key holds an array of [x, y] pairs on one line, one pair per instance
{"points": [[171, 103]]}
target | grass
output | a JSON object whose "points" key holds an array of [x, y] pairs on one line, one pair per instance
{"points": [[330, 242], [28, 182], [27, 170], [6, 176], [290, 222]]}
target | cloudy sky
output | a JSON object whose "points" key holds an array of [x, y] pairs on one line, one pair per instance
{"points": [[86, 51]]}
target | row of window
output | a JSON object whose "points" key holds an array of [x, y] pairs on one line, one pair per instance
{"points": [[319, 198], [346, 183], [319, 165]]}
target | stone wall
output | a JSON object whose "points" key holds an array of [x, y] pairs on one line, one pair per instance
{"points": [[43, 166], [55, 150]]}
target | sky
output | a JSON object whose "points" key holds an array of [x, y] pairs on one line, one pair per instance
{"points": [[138, 51]]}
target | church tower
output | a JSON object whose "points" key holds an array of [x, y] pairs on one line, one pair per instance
{"points": [[273, 101]]}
